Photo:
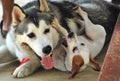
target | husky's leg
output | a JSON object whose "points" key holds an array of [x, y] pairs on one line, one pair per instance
{"points": [[26, 68], [92, 31], [55, 24], [5, 55], [29, 66]]}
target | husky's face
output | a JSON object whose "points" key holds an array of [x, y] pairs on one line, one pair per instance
{"points": [[35, 30]]}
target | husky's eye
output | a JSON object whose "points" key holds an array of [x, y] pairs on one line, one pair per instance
{"points": [[75, 48], [46, 31], [31, 35]]}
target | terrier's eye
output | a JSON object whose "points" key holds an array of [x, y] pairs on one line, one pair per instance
{"points": [[75, 48], [31, 35], [82, 44], [46, 31]]}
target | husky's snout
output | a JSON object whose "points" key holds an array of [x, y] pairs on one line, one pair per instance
{"points": [[46, 50]]}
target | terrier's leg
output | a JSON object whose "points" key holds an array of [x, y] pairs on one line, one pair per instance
{"points": [[55, 24], [93, 31], [94, 63]]}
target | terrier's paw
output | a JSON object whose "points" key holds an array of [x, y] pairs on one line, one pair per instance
{"points": [[97, 67], [22, 71], [79, 11], [55, 23]]}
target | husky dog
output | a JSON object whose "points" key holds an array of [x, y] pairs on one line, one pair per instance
{"points": [[31, 27]]}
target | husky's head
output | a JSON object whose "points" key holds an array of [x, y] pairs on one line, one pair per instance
{"points": [[34, 29]]}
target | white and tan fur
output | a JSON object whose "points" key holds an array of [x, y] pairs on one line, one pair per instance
{"points": [[92, 45]]}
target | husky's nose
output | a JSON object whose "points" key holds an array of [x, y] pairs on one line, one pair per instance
{"points": [[47, 49]]}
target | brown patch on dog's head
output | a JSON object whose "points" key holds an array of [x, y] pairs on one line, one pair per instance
{"points": [[76, 64]]}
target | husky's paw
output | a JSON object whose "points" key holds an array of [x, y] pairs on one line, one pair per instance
{"points": [[22, 71], [27, 67]]}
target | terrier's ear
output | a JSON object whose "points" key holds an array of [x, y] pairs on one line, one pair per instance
{"points": [[73, 35], [43, 6], [17, 15], [77, 62], [70, 35], [64, 42]]}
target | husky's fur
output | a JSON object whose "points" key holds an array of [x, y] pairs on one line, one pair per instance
{"points": [[32, 27]]}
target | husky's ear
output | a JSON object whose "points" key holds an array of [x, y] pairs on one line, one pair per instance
{"points": [[17, 15], [43, 6]]}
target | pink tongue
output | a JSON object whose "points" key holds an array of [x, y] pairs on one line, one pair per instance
{"points": [[47, 62]]}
